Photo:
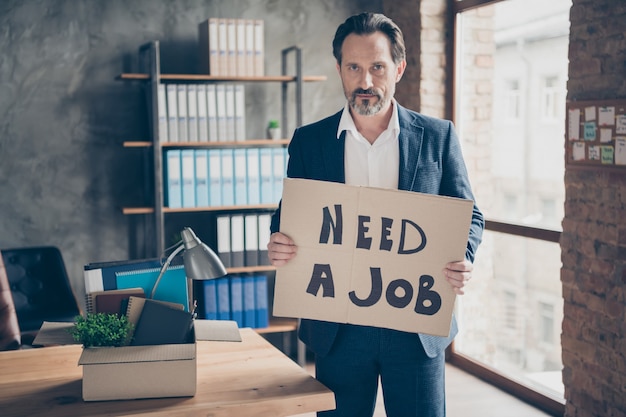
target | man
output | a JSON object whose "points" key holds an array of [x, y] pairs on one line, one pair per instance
{"points": [[376, 142]]}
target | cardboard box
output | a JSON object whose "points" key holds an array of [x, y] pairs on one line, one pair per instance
{"points": [[158, 371], [132, 372]]}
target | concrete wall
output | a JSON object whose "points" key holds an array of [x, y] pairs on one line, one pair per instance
{"points": [[63, 116]]}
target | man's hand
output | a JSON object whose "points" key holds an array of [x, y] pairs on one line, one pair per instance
{"points": [[458, 274], [280, 249]]}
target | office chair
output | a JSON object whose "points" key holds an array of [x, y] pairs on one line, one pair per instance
{"points": [[9, 329], [40, 288]]}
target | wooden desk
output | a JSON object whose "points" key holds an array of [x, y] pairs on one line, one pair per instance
{"points": [[250, 378]]}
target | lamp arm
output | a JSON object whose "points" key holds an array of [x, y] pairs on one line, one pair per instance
{"points": [[164, 268]]}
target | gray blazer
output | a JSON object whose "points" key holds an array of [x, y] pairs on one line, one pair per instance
{"points": [[430, 162]]}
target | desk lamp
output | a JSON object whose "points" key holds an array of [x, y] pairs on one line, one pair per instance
{"points": [[201, 263]]}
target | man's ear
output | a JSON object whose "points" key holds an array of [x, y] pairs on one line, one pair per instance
{"points": [[400, 70]]}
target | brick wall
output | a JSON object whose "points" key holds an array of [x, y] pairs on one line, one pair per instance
{"points": [[593, 243], [423, 24]]}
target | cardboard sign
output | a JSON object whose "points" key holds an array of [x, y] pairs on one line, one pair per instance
{"points": [[370, 256]]}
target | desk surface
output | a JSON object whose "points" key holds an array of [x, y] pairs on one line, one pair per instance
{"points": [[248, 378]]}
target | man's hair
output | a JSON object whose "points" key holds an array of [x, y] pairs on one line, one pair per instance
{"points": [[366, 24]]}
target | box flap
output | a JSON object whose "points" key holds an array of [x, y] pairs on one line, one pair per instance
{"points": [[127, 354]]}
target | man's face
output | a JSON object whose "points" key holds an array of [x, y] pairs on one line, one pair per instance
{"points": [[368, 73]]}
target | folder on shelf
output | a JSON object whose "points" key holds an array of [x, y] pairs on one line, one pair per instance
{"points": [[241, 47], [172, 113], [223, 298], [171, 288], [249, 304], [209, 299], [211, 108], [259, 47], [203, 127], [251, 239], [222, 46], [208, 42], [181, 96], [236, 299], [231, 42], [192, 112], [249, 47], [162, 112], [253, 177], [188, 169], [265, 220], [279, 168], [173, 179], [266, 183], [240, 112], [202, 177], [215, 177], [100, 276], [229, 91], [240, 176], [223, 239], [227, 177], [237, 240], [261, 301], [161, 324], [220, 100]]}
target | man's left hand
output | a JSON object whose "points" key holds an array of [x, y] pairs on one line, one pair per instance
{"points": [[458, 274]]}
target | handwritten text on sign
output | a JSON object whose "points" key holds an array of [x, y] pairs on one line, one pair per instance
{"points": [[370, 256]]}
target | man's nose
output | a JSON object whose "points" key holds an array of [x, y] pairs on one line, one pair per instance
{"points": [[366, 81]]}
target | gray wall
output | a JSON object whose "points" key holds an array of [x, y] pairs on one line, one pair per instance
{"points": [[63, 116]]}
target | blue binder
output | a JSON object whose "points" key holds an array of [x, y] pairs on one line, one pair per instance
{"points": [[236, 299], [223, 298], [209, 289], [215, 177], [228, 177], [261, 302], [240, 177], [266, 185], [249, 303], [254, 176], [173, 190], [202, 177], [188, 169]]}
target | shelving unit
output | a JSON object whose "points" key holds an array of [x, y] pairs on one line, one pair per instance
{"points": [[150, 73]]}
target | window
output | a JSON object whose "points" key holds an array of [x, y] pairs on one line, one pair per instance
{"points": [[552, 99], [511, 100], [509, 318]]}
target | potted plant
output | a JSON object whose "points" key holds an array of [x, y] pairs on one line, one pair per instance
{"points": [[273, 130], [100, 329]]}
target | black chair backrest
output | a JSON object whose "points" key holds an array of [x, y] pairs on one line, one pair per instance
{"points": [[40, 286]]}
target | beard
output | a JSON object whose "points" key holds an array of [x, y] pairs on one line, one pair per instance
{"points": [[367, 107]]}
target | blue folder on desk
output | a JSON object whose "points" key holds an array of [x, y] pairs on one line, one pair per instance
{"points": [[172, 288]]}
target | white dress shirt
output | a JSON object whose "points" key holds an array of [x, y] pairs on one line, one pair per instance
{"points": [[371, 165]]}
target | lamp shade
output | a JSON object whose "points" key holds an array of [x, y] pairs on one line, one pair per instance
{"points": [[200, 261]]}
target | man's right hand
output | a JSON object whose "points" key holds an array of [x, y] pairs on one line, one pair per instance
{"points": [[280, 249]]}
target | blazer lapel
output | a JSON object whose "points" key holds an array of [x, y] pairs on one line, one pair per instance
{"points": [[410, 142], [334, 151]]}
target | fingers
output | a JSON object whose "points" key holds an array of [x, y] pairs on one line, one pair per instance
{"points": [[280, 249], [458, 275]]}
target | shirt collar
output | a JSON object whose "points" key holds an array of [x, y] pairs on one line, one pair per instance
{"points": [[346, 123]]}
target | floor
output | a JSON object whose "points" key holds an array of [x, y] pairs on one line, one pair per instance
{"points": [[468, 396]]}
